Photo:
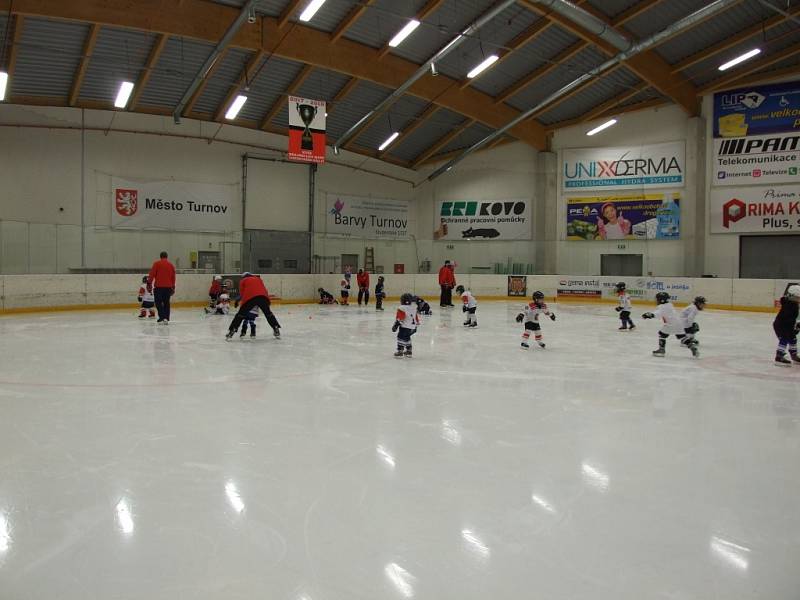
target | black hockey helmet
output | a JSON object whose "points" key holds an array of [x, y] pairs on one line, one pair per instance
{"points": [[460, 289], [537, 295], [144, 279], [620, 287], [320, 290], [700, 302], [662, 298], [406, 298]]}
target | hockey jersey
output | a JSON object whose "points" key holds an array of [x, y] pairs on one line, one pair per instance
{"points": [[145, 295], [670, 319], [469, 300], [625, 302], [345, 285], [533, 310], [223, 306], [407, 316], [688, 315]]}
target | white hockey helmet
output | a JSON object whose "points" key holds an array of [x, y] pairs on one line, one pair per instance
{"points": [[793, 290], [217, 277]]}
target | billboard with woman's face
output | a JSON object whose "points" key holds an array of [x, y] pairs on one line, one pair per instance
{"points": [[624, 217]]}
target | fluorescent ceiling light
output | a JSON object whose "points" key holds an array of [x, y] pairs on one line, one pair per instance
{"points": [[311, 10], [3, 84], [488, 62], [235, 107], [600, 128], [124, 94], [739, 59], [404, 33], [388, 141]]}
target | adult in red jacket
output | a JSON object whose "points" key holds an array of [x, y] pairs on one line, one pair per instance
{"points": [[161, 280], [363, 286], [447, 281], [253, 293]]}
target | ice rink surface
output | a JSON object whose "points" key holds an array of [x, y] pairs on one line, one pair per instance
{"points": [[140, 461]]}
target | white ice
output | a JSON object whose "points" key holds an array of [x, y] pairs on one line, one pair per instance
{"points": [[140, 461]]}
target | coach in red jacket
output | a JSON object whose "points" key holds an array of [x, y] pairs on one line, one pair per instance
{"points": [[363, 286], [161, 280], [447, 281], [253, 293]]}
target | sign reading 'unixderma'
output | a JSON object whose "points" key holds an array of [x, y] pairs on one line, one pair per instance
{"points": [[483, 220], [173, 205], [757, 159], [629, 167], [354, 216]]}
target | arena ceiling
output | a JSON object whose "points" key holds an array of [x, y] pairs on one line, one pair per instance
{"points": [[76, 53]]}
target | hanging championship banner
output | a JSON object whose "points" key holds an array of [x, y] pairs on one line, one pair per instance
{"points": [[629, 167], [757, 110], [757, 159], [756, 209], [624, 217], [479, 220], [306, 130], [173, 205], [353, 216]]}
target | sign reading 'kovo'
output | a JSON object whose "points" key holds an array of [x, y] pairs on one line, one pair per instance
{"points": [[628, 167]]}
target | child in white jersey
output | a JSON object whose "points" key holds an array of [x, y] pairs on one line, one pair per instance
{"points": [[690, 326], [146, 300], [405, 324], [672, 324], [469, 306], [530, 316], [624, 308]]}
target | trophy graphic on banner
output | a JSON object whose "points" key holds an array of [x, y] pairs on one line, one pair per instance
{"points": [[307, 114]]}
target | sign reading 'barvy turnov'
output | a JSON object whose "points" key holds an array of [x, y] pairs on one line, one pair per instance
{"points": [[639, 167], [173, 205], [355, 216]]}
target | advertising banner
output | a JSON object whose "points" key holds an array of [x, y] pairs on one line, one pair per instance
{"points": [[757, 159], [483, 220], [517, 285], [756, 209], [757, 110], [306, 130], [638, 288], [353, 216], [173, 205], [639, 167], [624, 217]]}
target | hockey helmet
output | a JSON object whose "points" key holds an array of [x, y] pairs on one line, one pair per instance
{"points": [[144, 279], [537, 295], [406, 298], [793, 290], [217, 277], [246, 274], [662, 298], [620, 287], [460, 289], [700, 302]]}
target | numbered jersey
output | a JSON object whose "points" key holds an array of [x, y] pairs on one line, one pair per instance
{"points": [[146, 296], [532, 311], [407, 316], [625, 302], [670, 319], [689, 315], [469, 300]]}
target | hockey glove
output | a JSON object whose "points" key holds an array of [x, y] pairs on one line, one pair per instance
{"points": [[396, 326], [171, 291], [648, 315], [618, 309], [552, 316], [520, 317], [693, 329], [464, 308], [139, 298]]}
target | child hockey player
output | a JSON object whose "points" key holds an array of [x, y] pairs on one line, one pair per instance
{"points": [[405, 324], [222, 306], [624, 308], [469, 306], [250, 319], [252, 294], [531, 318], [326, 297], [671, 325], [147, 300], [786, 326], [345, 285], [690, 326], [380, 293], [215, 290], [423, 307]]}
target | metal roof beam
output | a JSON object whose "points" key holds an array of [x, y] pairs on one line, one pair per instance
{"points": [[342, 94], [442, 142], [202, 87], [86, 56], [350, 19], [287, 13], [216, 54], [144, 76]]}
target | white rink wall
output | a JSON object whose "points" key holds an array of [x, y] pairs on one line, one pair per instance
{"points": [[50, 291]]}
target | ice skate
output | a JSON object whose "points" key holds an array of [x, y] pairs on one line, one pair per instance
{"points": [[660, 353], [277, 332], [466, 323], [142, 316], [398, 354], [408, 353], [623, 328], [229, 336], [781, 360], [473, 324], [632, 327], [795, 357], [695, 351], [525, 345], [252, 335], [244, 332], [541, 345]]}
